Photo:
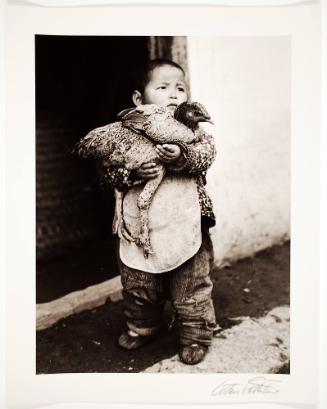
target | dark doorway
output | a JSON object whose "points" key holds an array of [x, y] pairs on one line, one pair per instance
{"points": [[81, 83]]}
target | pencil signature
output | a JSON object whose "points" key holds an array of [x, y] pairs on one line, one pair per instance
{"points": [[256, 385]]}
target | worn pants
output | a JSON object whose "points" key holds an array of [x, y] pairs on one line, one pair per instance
{"points": [[188, 287]]}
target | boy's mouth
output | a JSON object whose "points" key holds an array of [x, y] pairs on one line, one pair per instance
{"points": [[172, 106]]}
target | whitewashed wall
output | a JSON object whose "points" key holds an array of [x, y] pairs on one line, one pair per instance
{"points": [[245, 84]]}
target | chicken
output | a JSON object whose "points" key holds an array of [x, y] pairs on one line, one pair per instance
{"points": [[131, 141]]}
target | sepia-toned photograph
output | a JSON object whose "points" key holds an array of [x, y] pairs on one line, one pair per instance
{"points": [[163, 204]]}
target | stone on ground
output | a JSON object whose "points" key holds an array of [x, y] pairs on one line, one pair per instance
{"points": [[257, 345]]}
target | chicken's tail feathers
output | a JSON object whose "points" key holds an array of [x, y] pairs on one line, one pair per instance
{"points": [[94, 145], [74, 151]]}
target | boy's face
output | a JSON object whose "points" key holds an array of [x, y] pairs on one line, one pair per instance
{"points": [[166, 87]]}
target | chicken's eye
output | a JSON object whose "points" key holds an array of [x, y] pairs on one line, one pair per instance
{"points": [[198, 113]]}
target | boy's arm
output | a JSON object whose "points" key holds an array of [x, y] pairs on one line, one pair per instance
{"points": [[198, 156]]}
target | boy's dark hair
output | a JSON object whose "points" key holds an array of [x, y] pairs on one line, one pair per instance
{"points": [[142, 73]]}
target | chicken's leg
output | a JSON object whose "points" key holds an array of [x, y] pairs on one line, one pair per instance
{"points": [[118, 222], [143, 202]]}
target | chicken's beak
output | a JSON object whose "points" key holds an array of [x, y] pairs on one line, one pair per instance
{"points": [[209, 120]]}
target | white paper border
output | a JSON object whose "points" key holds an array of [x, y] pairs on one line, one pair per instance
{"points": [[323, 206], [226, 3], [25, 388]]}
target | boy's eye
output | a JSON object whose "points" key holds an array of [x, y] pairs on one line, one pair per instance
{"points": [[181, 89], [162, 87]]}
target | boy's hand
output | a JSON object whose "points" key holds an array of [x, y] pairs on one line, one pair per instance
{"points": [[168, 153], [147, 171]]}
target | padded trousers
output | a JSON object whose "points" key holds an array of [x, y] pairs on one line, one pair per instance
{"points": [[189, 288]]}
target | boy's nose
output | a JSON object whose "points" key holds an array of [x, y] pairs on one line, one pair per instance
{"points": [[173, 93]]}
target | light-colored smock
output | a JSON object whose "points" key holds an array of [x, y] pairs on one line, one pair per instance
{"points": [[174, 224]]}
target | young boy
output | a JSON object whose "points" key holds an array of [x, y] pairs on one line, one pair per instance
{"points": [[179, 217]]}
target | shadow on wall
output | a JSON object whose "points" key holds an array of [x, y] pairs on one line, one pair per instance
{"points": [[81, 83]]}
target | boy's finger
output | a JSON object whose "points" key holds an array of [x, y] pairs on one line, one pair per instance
{"points": [[163, 153], [150, 175], [169, 148], [166, 157], [162, 149], [148, 165], [150, 171], [159, 149]]}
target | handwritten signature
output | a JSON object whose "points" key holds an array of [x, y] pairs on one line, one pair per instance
{"points": [[256, 385]]}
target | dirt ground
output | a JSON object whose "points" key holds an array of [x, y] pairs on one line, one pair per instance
{"points": [[86, 342]]}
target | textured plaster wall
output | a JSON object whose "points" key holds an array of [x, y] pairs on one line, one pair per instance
{"points": [[245, 84]]}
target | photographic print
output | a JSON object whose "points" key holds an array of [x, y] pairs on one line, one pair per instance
{"points": [[195, 275], [162, 182]]}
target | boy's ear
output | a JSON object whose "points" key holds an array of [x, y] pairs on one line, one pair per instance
{"points": [[137, 97]]}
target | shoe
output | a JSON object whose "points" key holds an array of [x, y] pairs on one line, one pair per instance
{"points": [[131, 340], [192, 354]]}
